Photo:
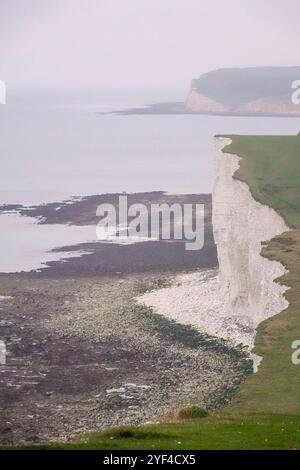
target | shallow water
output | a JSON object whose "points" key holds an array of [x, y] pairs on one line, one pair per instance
{"points": [[53, 151], [26, 246]]}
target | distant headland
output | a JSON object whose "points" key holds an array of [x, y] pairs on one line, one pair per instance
{"points": [[254, 91]]}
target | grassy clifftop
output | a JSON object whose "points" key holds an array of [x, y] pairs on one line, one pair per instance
{"points": [[270, 166]]}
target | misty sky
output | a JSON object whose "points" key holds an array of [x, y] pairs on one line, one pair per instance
{"points": [[140, 43]]}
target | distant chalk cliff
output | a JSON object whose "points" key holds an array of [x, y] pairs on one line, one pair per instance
{"points": [[245, 91]]}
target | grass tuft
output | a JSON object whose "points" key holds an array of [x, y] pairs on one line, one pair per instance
{"points": [[192, 412]]}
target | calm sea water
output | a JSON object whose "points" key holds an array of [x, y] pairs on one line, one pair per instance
{"points": [[54, 146]]}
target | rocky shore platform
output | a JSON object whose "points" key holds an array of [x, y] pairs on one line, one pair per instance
{"points": [[83, 355]]}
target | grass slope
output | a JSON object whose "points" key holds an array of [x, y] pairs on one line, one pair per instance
{"points": [[219, 432], [266, 412]]}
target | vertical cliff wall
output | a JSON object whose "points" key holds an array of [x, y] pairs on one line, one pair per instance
{"points": [[241, 224], [198, 102], [232, 301], [254, 90]]}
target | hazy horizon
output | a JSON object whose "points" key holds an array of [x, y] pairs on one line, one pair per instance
{"points": [[140, 44]]}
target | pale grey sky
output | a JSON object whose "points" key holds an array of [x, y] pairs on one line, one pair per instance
{"points": [[140, 43]]}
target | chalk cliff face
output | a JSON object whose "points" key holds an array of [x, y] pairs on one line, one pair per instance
{"points": [[269, 106], [199, 103], [232, 301], [252, 90], [240, 226]]}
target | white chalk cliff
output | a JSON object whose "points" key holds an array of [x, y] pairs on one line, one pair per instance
{"points": [[241, 224], [232, 301], [198, 102]]}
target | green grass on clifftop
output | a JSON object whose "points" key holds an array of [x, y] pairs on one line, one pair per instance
{"points": [[219, 432], [271, 168]]}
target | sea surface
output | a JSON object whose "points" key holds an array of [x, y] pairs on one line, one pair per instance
{"points": [[57, 145]]}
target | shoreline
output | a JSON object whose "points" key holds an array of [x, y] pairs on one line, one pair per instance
{"points": [[83, 356], [179, 108], [91, 257]]}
